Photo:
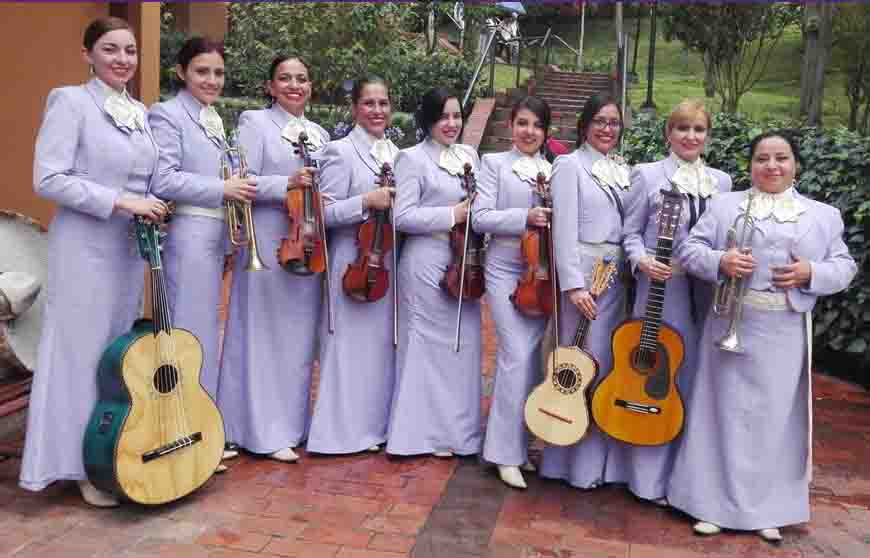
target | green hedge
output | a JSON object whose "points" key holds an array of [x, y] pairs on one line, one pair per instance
{"points": [[836, 171]]}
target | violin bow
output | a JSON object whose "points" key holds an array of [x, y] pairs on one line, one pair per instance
{"points": [[467, 178]]}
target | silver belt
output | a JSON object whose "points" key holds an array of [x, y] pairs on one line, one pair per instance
{"points": [[214, 213], [601, 250], [766, 300], [508, 241]]}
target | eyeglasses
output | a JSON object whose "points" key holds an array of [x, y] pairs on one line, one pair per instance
{"points": [[601, 123]]}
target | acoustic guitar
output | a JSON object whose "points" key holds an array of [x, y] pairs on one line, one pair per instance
{"points": [[154, 435], [638, 402], [557, 410]]}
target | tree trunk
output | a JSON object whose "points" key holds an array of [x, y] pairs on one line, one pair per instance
{"points": [[818, 40], [709, 77]]}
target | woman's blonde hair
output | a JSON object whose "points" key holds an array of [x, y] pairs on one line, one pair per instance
{"points": [[687, 109]]}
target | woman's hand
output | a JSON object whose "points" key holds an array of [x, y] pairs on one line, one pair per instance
{"points": [[460, 211], [538, 217], [584, 302], [654, 269], [380, 198], [302, 179], [794, 275], [736, 264], [150, 208], [240, 189]]}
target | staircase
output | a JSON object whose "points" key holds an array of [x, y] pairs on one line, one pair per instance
{"points": [[565, 92]]}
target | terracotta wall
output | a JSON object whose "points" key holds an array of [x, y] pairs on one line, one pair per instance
{"points": [[40, 48]]}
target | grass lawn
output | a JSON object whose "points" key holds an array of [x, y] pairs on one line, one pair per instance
{"points": [[679, 74]]}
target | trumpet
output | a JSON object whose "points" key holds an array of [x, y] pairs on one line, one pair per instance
{"points": [[728, 299], [240, 218]]}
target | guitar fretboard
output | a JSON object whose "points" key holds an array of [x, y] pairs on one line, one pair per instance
{"points": [[655, 303]]}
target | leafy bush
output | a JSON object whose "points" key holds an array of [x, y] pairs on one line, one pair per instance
{"points": [[836, 171]]}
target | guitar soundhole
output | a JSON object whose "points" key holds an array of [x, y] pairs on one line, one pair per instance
{"points": [[166, 378], [644, 360], [565, 379]]}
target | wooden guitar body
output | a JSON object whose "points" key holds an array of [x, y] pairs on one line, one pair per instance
{"points": [[155, 435], [557, 410], [638, 402]]}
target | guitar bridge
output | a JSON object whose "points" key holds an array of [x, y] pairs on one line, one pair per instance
{"points": [[171, 447], [638, 407]]}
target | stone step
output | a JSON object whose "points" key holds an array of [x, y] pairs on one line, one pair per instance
{"points": [[567, 92]]}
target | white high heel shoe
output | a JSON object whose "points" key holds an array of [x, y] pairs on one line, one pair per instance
{"points": [[230, 454], [511, 476], [771, 535], [706, 528], [96, 497], [375, 448], [287, 455], [442, 453]]}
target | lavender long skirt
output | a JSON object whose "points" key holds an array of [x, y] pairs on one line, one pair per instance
{"points": [[596, 458], [436, 405], [743, 460], [517, 360], [269, 346], [193, 256], [357, 363], [93, 295]]}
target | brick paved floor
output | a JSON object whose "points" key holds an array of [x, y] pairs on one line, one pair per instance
{"points": [[369, 506]]}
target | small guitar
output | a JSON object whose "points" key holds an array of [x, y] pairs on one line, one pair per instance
{"points": [[557, 411], [638, 402], [154, 435]]}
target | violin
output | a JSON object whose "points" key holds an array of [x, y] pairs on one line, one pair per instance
{"points": [[304, 250], [367, 279], [536, 290], [465, 273]]}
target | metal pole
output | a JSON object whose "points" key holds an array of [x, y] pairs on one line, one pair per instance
{"points": [[476, 75], [492, 72], [582, 35], [650, 69], [519, 57]]}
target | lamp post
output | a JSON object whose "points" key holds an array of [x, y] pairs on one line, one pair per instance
{"points": [[649, 105]]}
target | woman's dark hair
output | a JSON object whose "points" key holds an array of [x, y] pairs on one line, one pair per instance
{"points": [[592, 107], [192, 48], [361, 83], [541, 109], [787, 136], [100, 27], [431, 109], [277, 61]]}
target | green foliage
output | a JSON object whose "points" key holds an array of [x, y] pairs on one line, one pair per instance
{"points": [[170, 43], [836, 171], [339, 42]]}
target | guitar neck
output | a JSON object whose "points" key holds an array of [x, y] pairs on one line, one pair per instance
{"points": [[582, 330], [162, 319], [655, 303]]}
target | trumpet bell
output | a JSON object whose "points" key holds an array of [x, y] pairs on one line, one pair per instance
{"points": [[254, 261]]}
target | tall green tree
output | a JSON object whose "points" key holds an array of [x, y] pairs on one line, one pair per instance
{"points": [[818, 39], [734, 40], [852, 52]]}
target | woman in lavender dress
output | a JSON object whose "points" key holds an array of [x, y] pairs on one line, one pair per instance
{"points": [[190, 135], [686, 300], [271, 333], [357, 363], [504, 207], [436, 404], [744, 462], [95, 157], [588, 188]]}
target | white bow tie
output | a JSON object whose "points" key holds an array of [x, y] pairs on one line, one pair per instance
{"points": [[611, 171], [296, 125], [693, 178], [453, 160], [784, 207], [384, 151], [527, 168], [124, 112], [212, 123]]}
